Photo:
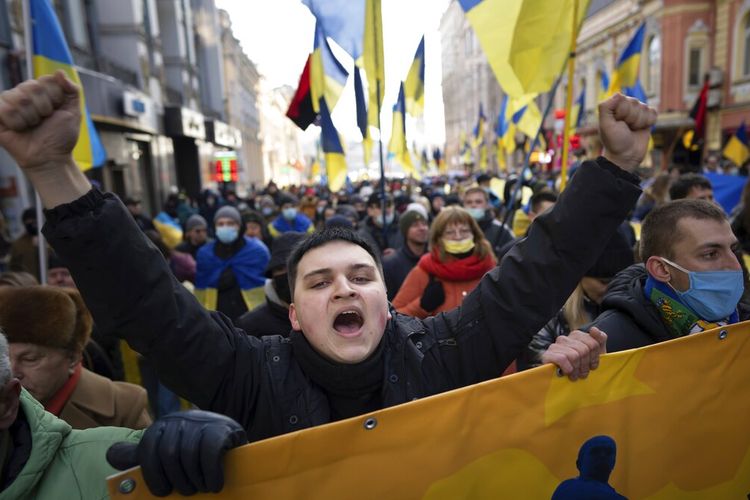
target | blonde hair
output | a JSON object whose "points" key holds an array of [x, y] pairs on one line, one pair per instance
{"points": [[574, 311], [458, 215]]}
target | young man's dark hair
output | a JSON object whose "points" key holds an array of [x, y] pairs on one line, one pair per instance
{"points": [[541, 197], [684, 183], [319, 239], [660, 230]]}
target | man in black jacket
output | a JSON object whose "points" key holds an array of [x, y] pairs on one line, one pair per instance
{"points": [[476, 202], [371, 228], [349, 351], [396, 267], [691, 280]]}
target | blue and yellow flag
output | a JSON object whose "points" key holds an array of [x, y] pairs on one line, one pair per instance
{"points": [[603, 79], [364, 128], [578, 110], [332, 150], [414, 84], [398, 145], [464, 149], [343, 21], [51, 53], [505, 131], [738, 148], [526, 41], [628, 66], [327, 75], [478, 133], [672, 419], [372, 59], [526, 117]]}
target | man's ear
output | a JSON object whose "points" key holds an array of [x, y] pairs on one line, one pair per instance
{"points": [[293, 317], [658, 269]]}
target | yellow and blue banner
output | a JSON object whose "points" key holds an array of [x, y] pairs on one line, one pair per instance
{"points": [[526, 117], [327, 75], [526, 41], [333, 151], [603, 79], [670, 421], [50, 53], [397, 146], [361, 106], [628, 65], [414, 84], [372, 60], [738, 147]]}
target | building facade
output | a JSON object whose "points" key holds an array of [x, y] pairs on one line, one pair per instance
{"points": [[283, 154]]}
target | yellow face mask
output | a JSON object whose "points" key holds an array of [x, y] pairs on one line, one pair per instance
{"points": [[458, 247]]}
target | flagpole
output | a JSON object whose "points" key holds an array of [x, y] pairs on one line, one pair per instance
{"points": [[527, 160], [42, 245], [569, 98]]}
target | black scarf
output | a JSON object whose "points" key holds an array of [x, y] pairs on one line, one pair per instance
{"points": [[353, 389]]}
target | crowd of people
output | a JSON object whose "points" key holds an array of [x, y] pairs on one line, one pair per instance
{"points": [[292, 308]]}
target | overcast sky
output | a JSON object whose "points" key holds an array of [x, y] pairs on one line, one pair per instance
{"points": [[278, 36]]}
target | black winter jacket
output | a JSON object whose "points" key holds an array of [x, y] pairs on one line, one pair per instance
{"points": [[202, 357], [269, 318], [396, 267], [498, 235], [374, 234]]}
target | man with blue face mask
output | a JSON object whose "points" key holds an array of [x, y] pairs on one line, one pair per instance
{"points": [[476, 202], [229, 275], [290, 218], [690, 281]]}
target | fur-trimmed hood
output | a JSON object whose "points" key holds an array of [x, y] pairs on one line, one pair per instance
{"points": [[45, 315]]}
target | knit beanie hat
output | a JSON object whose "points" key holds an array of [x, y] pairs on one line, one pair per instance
{"points": [[228, 212], [45, 315], [282, 247], [408, 218], [195, 221]]}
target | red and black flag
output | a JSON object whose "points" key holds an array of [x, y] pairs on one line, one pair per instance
{"points": [[698, 114], [301, 110]]}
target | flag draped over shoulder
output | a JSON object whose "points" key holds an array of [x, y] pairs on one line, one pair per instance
{"points": [[526, 41], [738, 147], [51, 53], [398, 145], [674, 416], [414, 84], [628, 65], [372, 59], [327, 75], [332, 150]]}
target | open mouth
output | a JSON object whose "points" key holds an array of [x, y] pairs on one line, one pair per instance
{"points": [[348, 322]]}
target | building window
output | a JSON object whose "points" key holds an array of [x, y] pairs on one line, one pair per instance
{"points": [[653, 68], [694, 67], [746, 47], [76, 21]]}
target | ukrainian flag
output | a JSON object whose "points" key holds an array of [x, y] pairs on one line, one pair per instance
{"points": [[364, 128], [578, 110], [465, 151], [414, 84], [738, 148], [603, 79], [397, 145], [505, 130], [372, 59], [527, 118], [479, 127], [628, 65], [343, 21], [526, 41], [51, 53], [332, 150], [327, 75]]}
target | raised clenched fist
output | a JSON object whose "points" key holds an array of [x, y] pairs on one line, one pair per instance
{"points": [[625, 127]]}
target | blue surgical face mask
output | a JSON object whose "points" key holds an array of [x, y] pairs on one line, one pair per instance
{"points": [[713, 295], [379, 220], [289, 213], [267, 211], [227, 234], [476, 213]]}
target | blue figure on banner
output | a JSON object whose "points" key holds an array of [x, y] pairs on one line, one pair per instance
{"points": [[596, 460]]}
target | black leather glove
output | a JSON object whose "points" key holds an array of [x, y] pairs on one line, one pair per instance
{"points": [[433, 295], [183, 451]]}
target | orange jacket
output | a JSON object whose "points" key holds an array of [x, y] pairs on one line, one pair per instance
{"points": [[407, 299]]}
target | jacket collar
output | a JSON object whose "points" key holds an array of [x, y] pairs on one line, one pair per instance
{"points": [[92, 395]]}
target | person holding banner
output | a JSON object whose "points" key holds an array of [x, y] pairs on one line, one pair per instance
{"points": [[349, 352]]}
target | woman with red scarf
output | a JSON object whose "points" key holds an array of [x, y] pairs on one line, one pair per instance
{"points": [[458, 258]]}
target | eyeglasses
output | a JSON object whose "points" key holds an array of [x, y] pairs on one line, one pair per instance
{"points": [[458, 233]]}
